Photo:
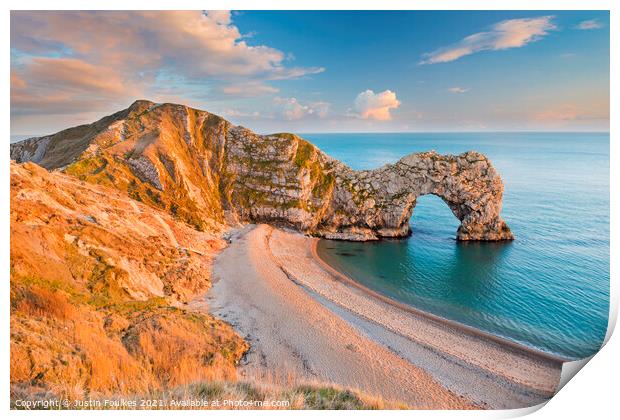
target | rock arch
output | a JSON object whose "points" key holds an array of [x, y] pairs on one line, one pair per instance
{"points": [[207, 171], [378, 203]]}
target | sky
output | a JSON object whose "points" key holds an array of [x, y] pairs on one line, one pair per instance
{"points": [[317, 71]]}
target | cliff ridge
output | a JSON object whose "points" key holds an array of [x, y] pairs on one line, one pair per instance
{"points": [[206, 172]]}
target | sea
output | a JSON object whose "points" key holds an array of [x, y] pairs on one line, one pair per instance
{"points": [[548, 289]]}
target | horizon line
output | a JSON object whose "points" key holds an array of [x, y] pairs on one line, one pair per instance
{"points": [[453, 131], [30, 135]]}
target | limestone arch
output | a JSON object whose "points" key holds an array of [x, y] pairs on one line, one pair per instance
{"points": [[380, 203]]}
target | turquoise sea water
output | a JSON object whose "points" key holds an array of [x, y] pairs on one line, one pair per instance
{"points": [[548, 289]]}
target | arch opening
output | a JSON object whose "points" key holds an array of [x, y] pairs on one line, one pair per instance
{"points": [[431, 215]]}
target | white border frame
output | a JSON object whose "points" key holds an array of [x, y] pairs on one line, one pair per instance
{"points": [[592, 395]]}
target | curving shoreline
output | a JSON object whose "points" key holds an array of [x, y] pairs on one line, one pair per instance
{"points": [[436, 318], [303, 319]]}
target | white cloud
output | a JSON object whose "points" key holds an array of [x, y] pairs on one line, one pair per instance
{"points": [[248, 89], [458, 89], [506, 34], [292, 109], [564, 113], [221, 17], [570, 113], [589, 24], [235, 113], [371, 105], [61, 66]]}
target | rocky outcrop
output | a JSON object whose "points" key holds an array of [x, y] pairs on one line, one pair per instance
{"points": [[284, 179], [379, 203], [30, 150], [203, 169]]}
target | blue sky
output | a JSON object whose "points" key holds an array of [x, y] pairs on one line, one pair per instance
{"points": [[318, 71]]}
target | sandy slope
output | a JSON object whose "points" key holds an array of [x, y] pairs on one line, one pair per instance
{"points": [[301, 320]]}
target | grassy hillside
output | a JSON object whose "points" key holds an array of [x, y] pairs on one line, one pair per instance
{"points": [[192, 164], [98, 285]]}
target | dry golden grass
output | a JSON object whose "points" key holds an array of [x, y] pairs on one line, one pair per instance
{"points": [[87, 319], [87, 266], [122, 348], [221, 395], [38, 302]]}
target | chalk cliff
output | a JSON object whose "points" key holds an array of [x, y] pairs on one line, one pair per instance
{"points": [[205, 171]]}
